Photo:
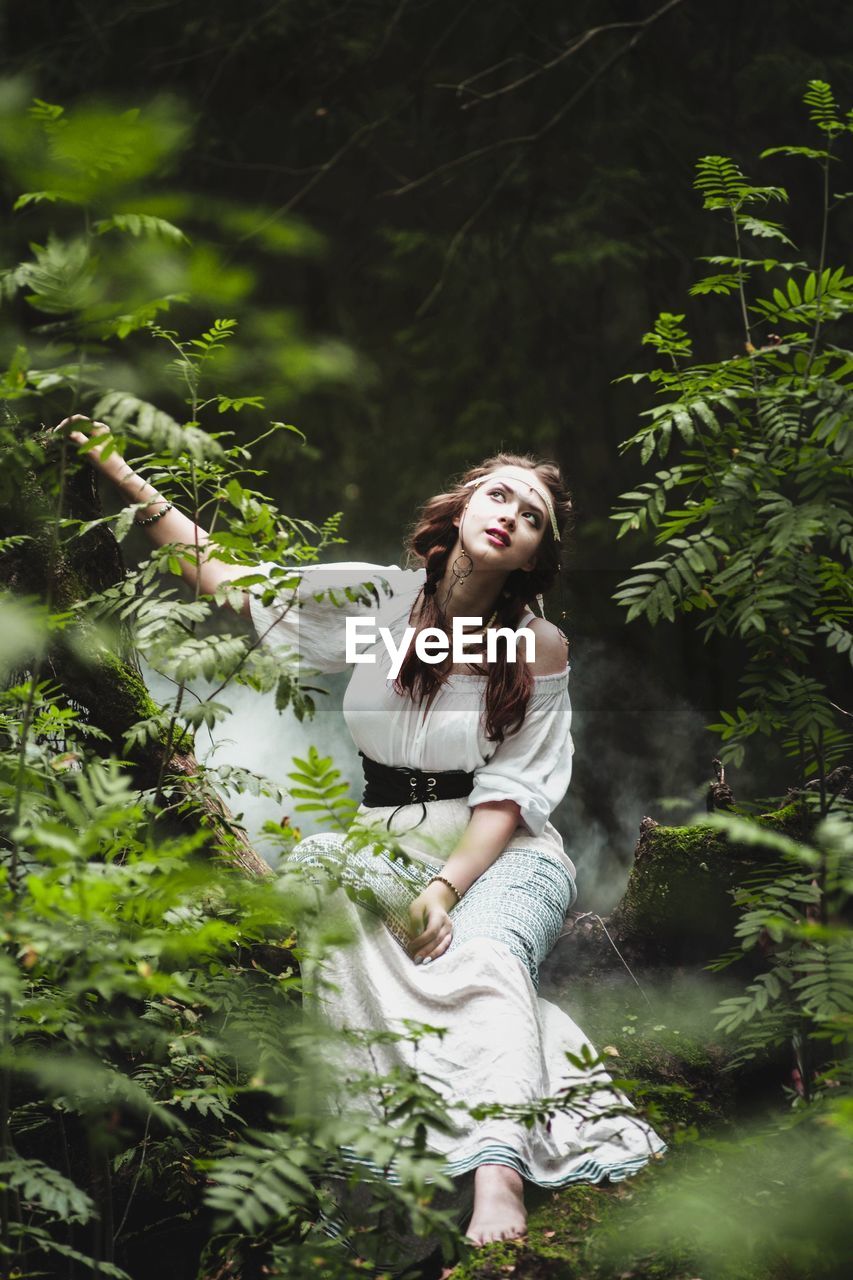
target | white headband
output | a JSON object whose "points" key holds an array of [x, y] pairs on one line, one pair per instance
{"points": [[534, 486]]}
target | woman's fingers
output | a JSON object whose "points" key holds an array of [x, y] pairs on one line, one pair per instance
{"points": [[427, 941], [97, 427], [427, 924], [436, 952], [435, 939], [93, 429], [440, 949], [80, 437]]}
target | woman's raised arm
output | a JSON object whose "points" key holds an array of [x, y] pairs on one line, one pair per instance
{"points": [[160, 521]]}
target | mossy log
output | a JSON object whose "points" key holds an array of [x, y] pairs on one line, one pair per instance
{"points": [[108, 685], [678, 906]]}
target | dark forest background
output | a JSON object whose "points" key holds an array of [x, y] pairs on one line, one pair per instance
{"points": [[444, 228]]}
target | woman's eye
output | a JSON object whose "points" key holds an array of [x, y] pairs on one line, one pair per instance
{"points": [[534, 519], [496, 493]]}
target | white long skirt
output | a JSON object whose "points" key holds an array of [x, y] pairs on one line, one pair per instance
{"points": [[502, 1045]]}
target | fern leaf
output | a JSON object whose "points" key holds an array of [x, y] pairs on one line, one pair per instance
{"points": [[823, 109], [141, 224], [157, 428]]}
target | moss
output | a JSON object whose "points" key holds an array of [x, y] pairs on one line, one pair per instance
{"points": [[559, 1230], [791, 820], [565, 1231], [683, 1083], [561, 1221], [123, 699], [685, 841], [129, 680], [678, 901]]}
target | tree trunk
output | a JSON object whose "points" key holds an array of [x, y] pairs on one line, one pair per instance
{"points": [[108, 685]]}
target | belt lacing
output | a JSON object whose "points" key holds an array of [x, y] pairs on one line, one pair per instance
{"points": [[401, 786]]}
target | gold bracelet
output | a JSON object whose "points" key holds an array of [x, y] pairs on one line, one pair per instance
{"points": [[452, 887]]}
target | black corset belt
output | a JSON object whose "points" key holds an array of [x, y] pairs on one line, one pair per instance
{"points": [[387, 785]]}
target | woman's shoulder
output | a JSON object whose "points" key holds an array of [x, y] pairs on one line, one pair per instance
{"points": [[361, 576], [552, 648]]}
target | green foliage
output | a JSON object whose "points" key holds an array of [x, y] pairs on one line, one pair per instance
{"points": [[794, 910], [750, 514], [98, 249], [142, 1032], [155, 1059], [139, 224], [40, 1185], [152, 1038], [770, 1199], [319, 790]]}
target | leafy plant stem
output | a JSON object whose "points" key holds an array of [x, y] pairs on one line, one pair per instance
{"points": [[6, 1146], [135, 1184], [20, 775], [824, 237], [741, 282], [821, 764]]}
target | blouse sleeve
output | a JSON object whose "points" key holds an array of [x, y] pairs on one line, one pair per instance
{"points": [[533, 765], [303, 612]]}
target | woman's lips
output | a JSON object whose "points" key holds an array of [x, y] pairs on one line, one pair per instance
{"points": [[497, 538]]}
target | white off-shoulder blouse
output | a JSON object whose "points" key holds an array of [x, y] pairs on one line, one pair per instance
{"points": [[533, 764]]}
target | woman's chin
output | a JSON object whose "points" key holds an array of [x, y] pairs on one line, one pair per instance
{"points": [[486, 563], [486, 554]]}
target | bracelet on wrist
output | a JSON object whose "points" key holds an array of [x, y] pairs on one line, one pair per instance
{"points": [[451, 887], [158, 515]]}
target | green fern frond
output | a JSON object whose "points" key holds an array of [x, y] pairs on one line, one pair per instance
{"points": [[141, 224], [320, 790], [823, 109], [158, 429]]}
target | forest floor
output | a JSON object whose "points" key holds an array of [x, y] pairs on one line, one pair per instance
{"points": [[583, 1232], [562, 1229]]}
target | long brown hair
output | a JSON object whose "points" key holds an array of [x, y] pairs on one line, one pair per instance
{"points": [[430, 543]]}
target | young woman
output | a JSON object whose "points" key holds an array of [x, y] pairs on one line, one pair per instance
{"points": [[464, 762]]}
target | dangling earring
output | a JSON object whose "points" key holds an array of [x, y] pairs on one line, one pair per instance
{"points": [[463, 565]]}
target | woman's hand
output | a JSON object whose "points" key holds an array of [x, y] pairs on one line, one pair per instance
{"points": [[83, 437], [431, 925]]}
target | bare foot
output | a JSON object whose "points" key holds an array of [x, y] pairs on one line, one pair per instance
{"points": [[499, 1212]]}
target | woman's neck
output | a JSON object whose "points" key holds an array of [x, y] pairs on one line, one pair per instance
{"points": [[473, 597]]}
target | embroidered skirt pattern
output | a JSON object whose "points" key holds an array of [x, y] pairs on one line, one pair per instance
{"points": [[521, 901]]}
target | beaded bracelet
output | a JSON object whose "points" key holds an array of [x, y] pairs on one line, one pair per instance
{"points": [[158, 515], [452, 887]]}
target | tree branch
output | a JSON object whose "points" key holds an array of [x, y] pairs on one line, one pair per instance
{"points": [[459, 236], [526, 139], [578, 43]]}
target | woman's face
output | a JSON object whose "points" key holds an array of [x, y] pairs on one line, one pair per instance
{"points": [[505, 521]]}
